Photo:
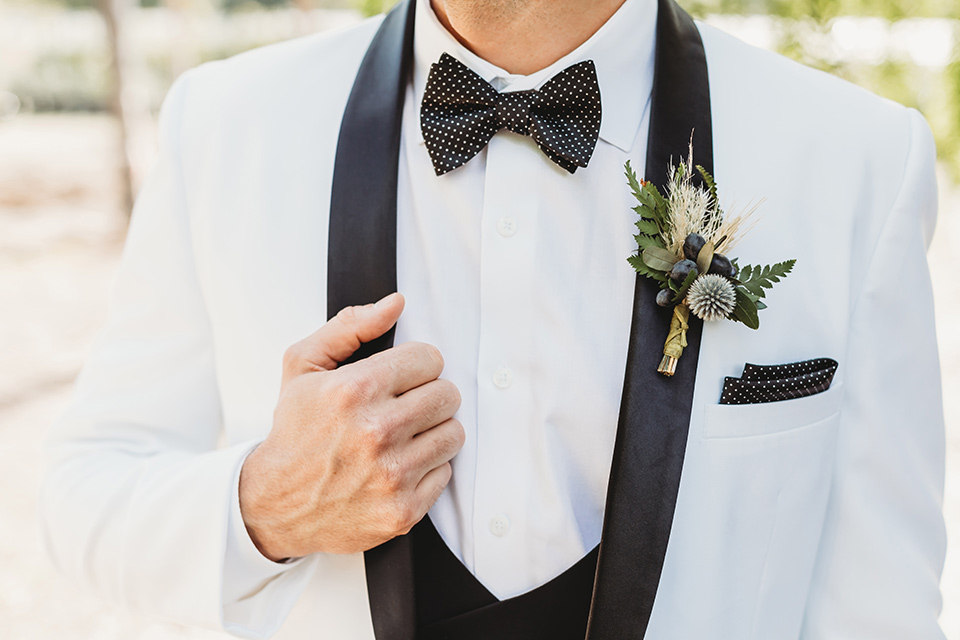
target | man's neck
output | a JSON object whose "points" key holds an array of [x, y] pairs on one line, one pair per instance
{"points": [[523, 36]]}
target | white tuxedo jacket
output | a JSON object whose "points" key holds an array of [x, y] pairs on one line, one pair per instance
{"points": [[813, 518]]}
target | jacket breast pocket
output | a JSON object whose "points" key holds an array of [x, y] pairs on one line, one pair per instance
{"points": [[768, 418], [760, 476]]}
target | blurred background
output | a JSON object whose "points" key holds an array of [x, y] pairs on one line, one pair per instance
{"points": [[80, 85]]}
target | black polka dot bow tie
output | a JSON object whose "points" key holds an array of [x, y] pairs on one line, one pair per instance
{"points": [[461, 112]]}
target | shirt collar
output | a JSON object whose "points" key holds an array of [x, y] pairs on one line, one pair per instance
{"points": [[622, 50]]}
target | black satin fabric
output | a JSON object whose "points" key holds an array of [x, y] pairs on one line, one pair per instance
{"points": [[451, 604], [362, 246], [362, 255], [655, 410]]}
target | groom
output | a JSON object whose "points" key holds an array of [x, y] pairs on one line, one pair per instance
{"points": [[469, 154]]}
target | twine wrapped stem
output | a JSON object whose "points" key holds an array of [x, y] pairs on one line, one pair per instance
{"points": [[676, 339]]}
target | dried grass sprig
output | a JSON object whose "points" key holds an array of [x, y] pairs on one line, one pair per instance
{"points": [[735, 227], [693, 209]]}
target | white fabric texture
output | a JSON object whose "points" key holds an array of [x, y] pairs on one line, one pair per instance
{"points": [[814, 517]]}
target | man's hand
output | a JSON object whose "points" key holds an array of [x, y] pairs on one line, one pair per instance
{"points": [[358, 454]]}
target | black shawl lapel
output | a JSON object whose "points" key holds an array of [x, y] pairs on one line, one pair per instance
{"points": [[362, 251], [362, 256], [655, 410]]}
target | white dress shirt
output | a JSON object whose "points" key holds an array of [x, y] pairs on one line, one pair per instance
{"points": [[516, 270]]}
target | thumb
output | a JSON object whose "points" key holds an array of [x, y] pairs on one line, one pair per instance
{"points": [[335, 341]]}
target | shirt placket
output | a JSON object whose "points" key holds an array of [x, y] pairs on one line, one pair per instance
{"points": [[507, 284]]}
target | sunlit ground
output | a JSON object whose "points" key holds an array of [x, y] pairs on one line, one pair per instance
{"points": [[60, 238]]}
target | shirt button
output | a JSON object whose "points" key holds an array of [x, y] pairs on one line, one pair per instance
{"points": [[506, 227], [499, 526], [503, 377]]}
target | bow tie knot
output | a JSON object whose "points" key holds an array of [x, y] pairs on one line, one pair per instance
{"points": [[461, 112], [513, 111]]}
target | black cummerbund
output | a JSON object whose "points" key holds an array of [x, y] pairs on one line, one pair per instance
{"points": [[453, 605]]}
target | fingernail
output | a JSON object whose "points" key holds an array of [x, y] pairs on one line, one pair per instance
{"points": [[382, 302]]}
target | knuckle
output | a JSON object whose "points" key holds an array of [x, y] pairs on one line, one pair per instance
{"points": [[375, 439], [446, 474], [403, 515], [382, 432], [451, 394], [449, 441], [440, 402], [427, 405], [393, 475], [292, 357], [370, 441], [347, 316], [459, 434], [359, 389], [436, 356], [431, 354]]}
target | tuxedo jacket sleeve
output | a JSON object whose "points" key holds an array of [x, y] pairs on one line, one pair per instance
{"points": [[883, 542], [139, 502]]}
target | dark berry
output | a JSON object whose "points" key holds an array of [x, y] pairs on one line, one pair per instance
{"points": [[721, 266], [681, 270], [665, 298], [692, 246]]}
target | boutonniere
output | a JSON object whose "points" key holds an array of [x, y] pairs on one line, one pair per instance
{"points": [[681, 235]]}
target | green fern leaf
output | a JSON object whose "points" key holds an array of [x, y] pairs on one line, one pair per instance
{"points": [[756, 279], [660, 207], [648, 227], [711, 186], [641, 267], [632, 179], [644, 242]]}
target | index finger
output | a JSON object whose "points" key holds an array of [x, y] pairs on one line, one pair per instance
{"points": [[404, 367]]}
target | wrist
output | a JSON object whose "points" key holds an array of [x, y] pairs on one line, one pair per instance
{"points": [[256, 507]]}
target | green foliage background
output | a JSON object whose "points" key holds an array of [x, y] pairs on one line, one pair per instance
{"points": [[58, 85], [935, 93]]}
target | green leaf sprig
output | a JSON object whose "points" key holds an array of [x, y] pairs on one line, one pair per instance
{"points": [[750, 284]]}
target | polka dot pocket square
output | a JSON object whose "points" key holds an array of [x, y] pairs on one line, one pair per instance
{"points": [[772, 383]]}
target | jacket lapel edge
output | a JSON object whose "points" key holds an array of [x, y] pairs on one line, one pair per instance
{"points": [[655, 410], [369, 144]]}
